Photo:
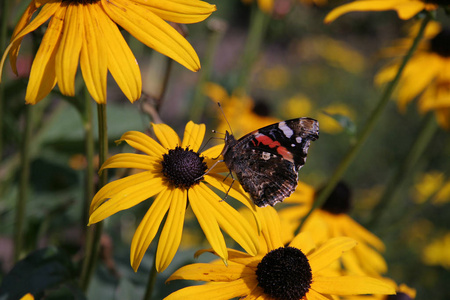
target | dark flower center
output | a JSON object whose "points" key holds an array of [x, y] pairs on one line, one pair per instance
{"points": [[339, 202], [284, 274], [261, 108], [398, 296], [183, 167], [440, 44]]}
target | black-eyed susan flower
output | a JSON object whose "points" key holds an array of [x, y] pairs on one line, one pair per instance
{"points": [[406, 9], [174, 173], [427, 73], [244, 113], [432, 186], [436, 253], [86, 31], [297, 271], [332, 220]]}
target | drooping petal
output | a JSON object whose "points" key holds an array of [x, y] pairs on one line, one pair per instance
{"points": [[376, 263], [371, 5], [330, 251], [408, 9], [170, 238], [313, 295], [13, 49], [179, 11], [211, 272], [235, 256], [144, 143], [193, 136], [213, 290], [207, 222], [229, 219], [42, 75], [152, 31], [132, 161], [131, 194], [148, 227], [121, 62], [270, 227], [351, 285], [166, 135], [354, 229], [93, 58], [68, 54]]}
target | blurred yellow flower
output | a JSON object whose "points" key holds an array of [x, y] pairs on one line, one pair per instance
{"points": [[243, 113], [297, 105], [437, 253], [296, 271], [27, 297], [332, 220], [432, 186], [264, 5], [274, 78], [87, 31], [329, 124], [174, 172], [405, 9], [426, 73]]}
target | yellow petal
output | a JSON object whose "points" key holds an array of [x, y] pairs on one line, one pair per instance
{"points": [[46, 12], [193, 136], [216, 92], [304, 242], [330, 251], [170, 238], [93, 58], [371, 5], [166, 135], [270, 227], [214, 290], [131, 194], [355, 230], [229, 219], [207, 222], [313, 295], [409, 9], [121, 62], [211, 272], [179, 11], [149, 227], [68, 54], [42, 75], [235, 256], [371, 259], [351, 285], [131, 160], [144, 143], [152, 31]]}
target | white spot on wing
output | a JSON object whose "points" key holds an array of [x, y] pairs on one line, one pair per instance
{"points": [[298, 139], [265, 155], [288, 132]]}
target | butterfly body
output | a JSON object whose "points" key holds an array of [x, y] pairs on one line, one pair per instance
{"points": [[266, 161]]}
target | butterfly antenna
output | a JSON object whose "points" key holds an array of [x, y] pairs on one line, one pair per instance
{"points": [[225, 117]]}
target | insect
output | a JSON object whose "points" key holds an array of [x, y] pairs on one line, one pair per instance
{"points": [[266, 161]]}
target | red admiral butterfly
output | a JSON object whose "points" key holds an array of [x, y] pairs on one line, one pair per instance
{"points": [[266, 161]]}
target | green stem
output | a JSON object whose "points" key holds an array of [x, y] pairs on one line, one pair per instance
{"points": [[23, 184], [89, 152], [151, 280], [258, 28], [3, 34], [428, 129], [367, 130], [95, 231], [217, 29]]}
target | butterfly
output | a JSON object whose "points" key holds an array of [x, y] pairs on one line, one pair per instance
{"points": [[266, 161]]}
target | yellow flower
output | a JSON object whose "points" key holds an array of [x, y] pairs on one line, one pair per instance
{"points": [[243, 113], [427, 72], [405, 9], [296, 271], [329, 124], [434, 186], [437, 254], [264, 5], [174, 172], [332, 220], [87, 31], [27, 297]]}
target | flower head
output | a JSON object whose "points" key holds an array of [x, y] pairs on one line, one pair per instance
{"points": [[174, 172], [406, 9], [296, 271], [332, 220], [87, 31], [426, 73]]}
